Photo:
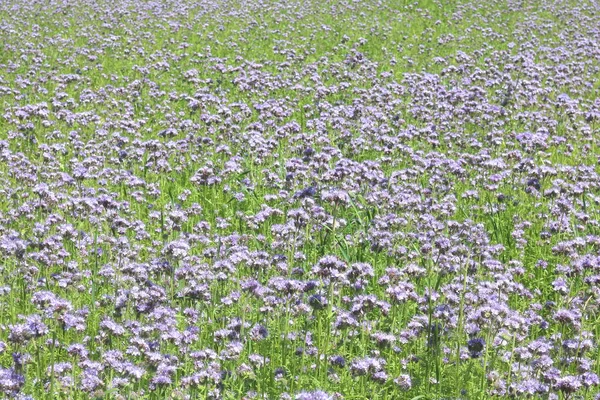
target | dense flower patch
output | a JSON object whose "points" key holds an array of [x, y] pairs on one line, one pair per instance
{"points": [[299, 200]]}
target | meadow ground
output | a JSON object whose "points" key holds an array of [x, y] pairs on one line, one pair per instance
{"points": [[301, 200]]}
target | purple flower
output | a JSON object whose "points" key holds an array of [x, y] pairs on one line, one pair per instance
{"points": [[90, 381], [338, 361], [568, 384], [589, 379], [314, 395], [366, 365], [310, 191], [10, 381], [317, 302], [403, 381], [476, 347]]}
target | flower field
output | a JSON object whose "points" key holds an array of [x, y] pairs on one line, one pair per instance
{"points": [[307, 200]]}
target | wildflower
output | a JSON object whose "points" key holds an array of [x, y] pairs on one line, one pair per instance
{"points": [[476, 347], [403, 381]]}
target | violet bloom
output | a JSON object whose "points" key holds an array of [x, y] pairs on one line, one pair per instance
{"points": [[10, 381], [476, 347], [403, 381], [315, 395]]}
